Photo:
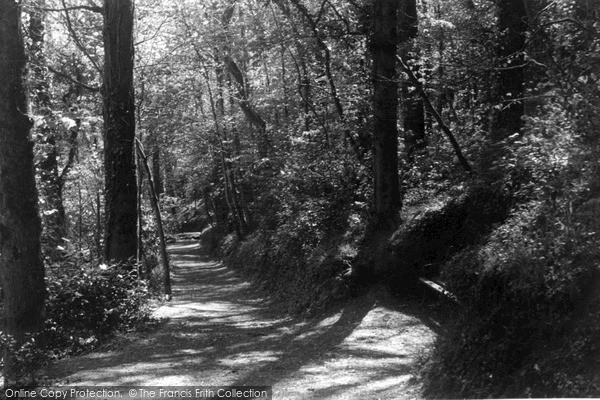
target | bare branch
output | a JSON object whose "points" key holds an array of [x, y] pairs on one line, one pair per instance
{"points": [[570, 20], [321, 11], [341, 18], [415, 81], [323, 46], [78, 43], [68, 77], [96, 9]]}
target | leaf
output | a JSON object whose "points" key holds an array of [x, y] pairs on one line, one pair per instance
{"points": [[68, 123]]}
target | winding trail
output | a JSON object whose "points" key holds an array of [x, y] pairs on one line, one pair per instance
{"points": [[220, 331]]}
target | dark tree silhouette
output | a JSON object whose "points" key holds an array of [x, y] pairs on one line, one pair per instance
{"points": [[21, 268], [382, 45], [119, 132]]}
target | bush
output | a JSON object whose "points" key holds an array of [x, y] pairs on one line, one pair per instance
{"points": [[90, 304], [84, 307], [307, 218], [532, 324], [421, 245]]}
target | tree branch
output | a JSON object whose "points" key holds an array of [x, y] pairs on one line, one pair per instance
{"points": [[96, 9], [571, 20], [73, 80], [415, 81], [321, 11], [323, 46], [78, 43], [154, 201]]}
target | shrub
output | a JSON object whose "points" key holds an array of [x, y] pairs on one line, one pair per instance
{"points": [[532, 319], [90, 304], [84, 307], [308, 215]]}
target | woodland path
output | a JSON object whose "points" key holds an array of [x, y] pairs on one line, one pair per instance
{"points": [[220, 331]]}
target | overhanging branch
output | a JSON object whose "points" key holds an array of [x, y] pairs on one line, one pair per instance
{"points": [[96, 9], [73, 80], [78, 42], [415, 81]]}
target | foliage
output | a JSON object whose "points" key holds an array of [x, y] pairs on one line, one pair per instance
{"points": [[532, 295], [85, 307], [305, 245], [530, 327], [89, 304], [423, 243]]}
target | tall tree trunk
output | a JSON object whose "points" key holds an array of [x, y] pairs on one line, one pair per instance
{"points": [[513, 25], [120, 242], [21, 267], [382, 45], [140, 220], [164, 257], [98, 230]]}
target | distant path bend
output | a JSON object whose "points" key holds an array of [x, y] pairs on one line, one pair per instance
{"points": [[219, 331]]}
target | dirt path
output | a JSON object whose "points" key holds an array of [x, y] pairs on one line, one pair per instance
{"points": [[220, 332]]}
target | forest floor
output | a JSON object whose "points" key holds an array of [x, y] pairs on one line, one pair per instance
{"points": [[219, 329]]}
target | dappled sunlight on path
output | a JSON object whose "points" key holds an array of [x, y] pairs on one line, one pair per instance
{"points": [[219, 331]]}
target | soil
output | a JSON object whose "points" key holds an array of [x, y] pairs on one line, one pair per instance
{"points": [[219, 329]]}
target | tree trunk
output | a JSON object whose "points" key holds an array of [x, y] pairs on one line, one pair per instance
{"points": [[382, 45], [21, 267], [249, 111], [414, 121], [98, 230], [140, 220], [120, 242], [159, 225], [513, 25], [156, 176]]}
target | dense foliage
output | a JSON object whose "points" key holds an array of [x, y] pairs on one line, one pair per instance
{"points": [[86, 305]]}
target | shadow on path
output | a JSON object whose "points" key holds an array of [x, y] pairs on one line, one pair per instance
{"points": [[220, 331]]}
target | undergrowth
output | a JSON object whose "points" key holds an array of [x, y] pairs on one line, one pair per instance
{"points": [[530, 326], [85, 306], [306, 241]]}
